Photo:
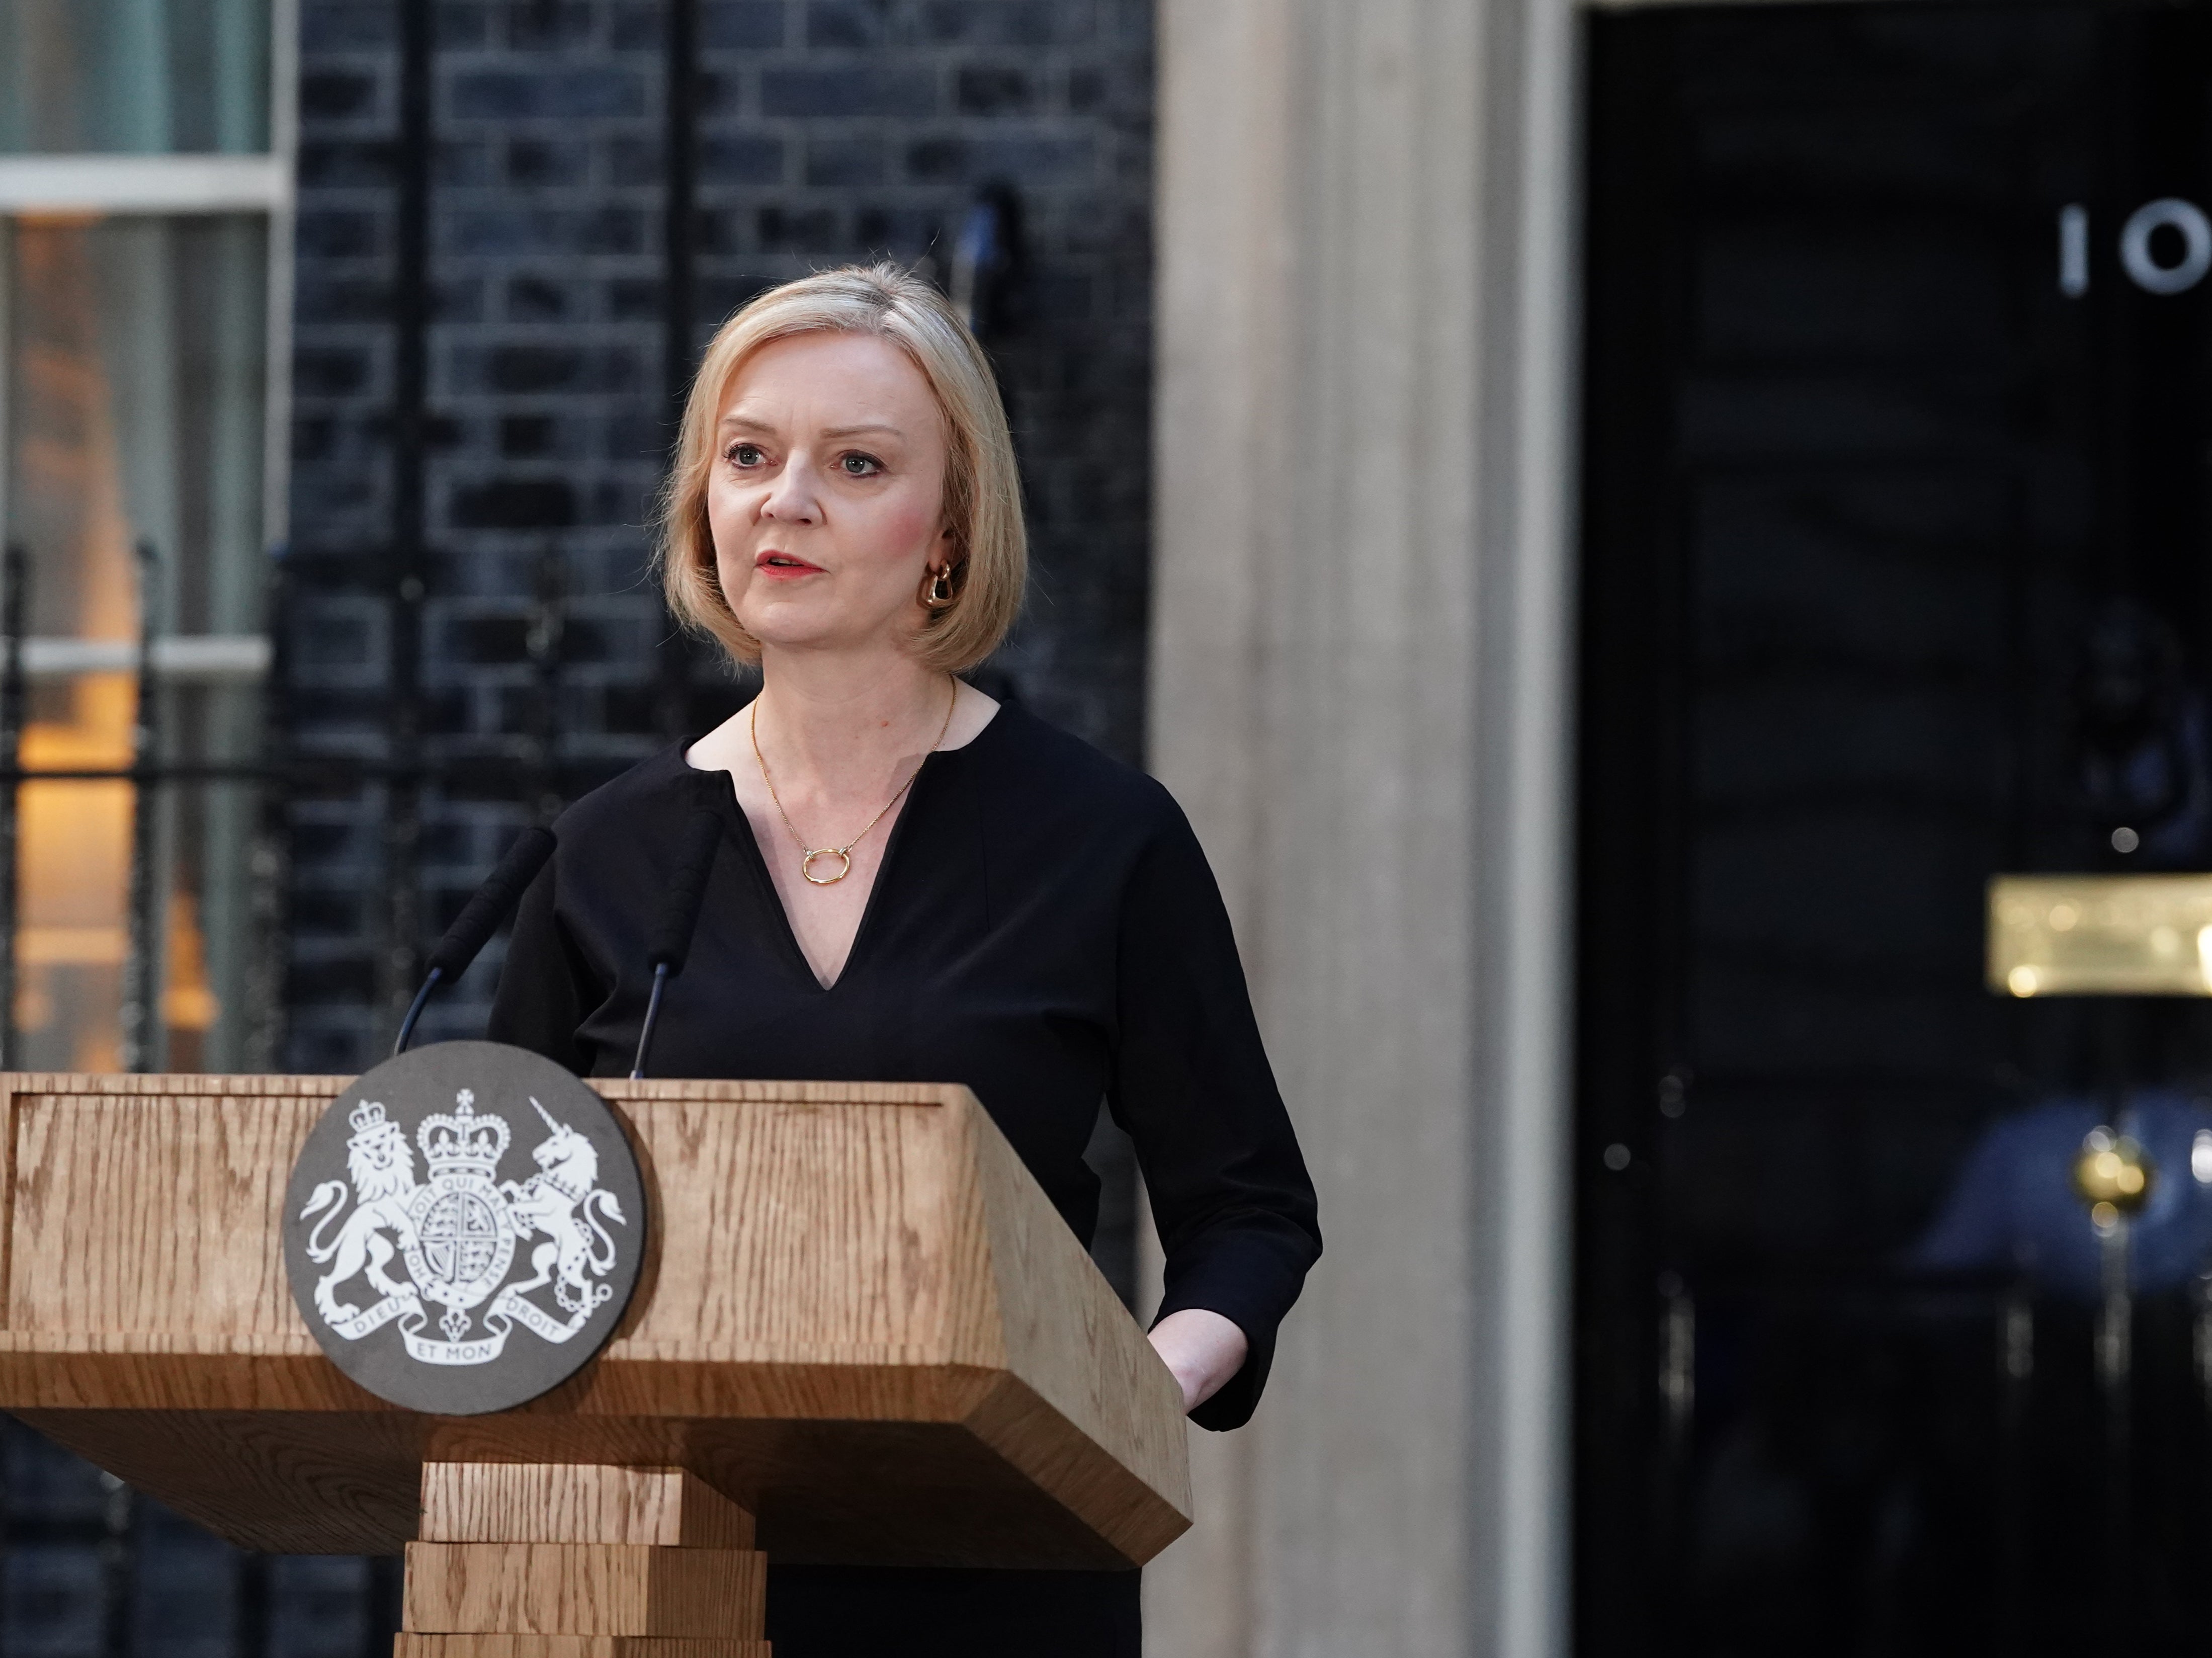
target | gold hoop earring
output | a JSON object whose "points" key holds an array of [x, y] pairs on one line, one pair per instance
{"points": [[936, 592]]}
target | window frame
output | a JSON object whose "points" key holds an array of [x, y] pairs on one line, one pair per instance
{"points": [[174, 187], [189, 186]]}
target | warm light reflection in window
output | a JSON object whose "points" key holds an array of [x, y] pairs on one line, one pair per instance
{"points": [[67, 503]]}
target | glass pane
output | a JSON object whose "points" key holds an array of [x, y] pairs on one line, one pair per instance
{"points": [[134, 77], [135, 415]]}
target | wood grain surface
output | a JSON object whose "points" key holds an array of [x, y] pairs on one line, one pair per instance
{"points": [[570, 1646], [584, 1589], [859, 1319], [577, 1502]]}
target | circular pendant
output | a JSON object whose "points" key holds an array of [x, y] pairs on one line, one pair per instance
{"points": [[844, 866]]}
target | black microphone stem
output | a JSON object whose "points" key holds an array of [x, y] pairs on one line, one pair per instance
{"points": [[671, 943], [415, 1010], [651, 1019], [478, 919]]}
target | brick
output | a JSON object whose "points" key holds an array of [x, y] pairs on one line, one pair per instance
{"points": [[335, 569], [337, 25], [348, 979], [636, 161], [329, 371], [741, 25], [316, 1049], [992, 89], [634, 708], [341, 299], [613, 503], [457, 301], [536, 161], [460, 25], [314, 437], [335, 95], [1104, 225], [333, 499], [637, 298], [720, 94], [534, 368], [637, 435], [1038, 160], [347, 163], [325, 913], [334, 640], [592, 640], [741, 158], [796, 227], [860, 89], [548, 230], [445, 712], [461, 163], [1006, 23], [840, 161], [527, 436], [490, 639], [1122, 84], [536, 299], [938, 160], [1087, 90], [542, 25], [834, 24], [570, 94], [719, 295], [323, 233], [637, 28], [513, 504]]}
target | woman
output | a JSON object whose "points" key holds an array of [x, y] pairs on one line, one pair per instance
{"points": [[918, 884]]}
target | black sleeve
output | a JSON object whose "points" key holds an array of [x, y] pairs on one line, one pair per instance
{"points": [[543, 985], [1193, 1088]]}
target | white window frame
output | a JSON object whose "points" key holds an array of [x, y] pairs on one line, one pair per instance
{"points": [[184, 187]]}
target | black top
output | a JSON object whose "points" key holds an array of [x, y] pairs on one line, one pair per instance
{"points": [[1045, 928]]}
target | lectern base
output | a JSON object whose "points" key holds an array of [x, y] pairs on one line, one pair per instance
{"points": [[557, 1561]]}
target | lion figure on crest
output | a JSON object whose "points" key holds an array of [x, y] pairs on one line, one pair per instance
{"points": [[560, 1200], [382, 1166]]}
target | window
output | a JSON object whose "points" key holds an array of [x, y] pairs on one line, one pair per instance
{"points": [[145, 189]]}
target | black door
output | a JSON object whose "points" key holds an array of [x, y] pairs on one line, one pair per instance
{"points": [[1897, 575]]}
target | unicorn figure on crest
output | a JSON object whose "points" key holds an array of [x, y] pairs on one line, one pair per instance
{"points": [[560, 1201]]}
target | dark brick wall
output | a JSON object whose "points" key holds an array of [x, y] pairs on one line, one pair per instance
{"points": [[826, 131], [840, 128]]}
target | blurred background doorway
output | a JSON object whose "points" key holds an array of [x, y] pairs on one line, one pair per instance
{"points": [[1897, 434]]}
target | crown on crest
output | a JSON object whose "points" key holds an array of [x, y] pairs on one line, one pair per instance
{"points": [[368, 1118], [463, 1143]]}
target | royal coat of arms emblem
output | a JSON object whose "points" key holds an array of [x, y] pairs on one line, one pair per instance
{"points": [[419, 1278]]}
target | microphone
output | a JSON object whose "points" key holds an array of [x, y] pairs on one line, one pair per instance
{"points": [[679, 918], [479, 918]]}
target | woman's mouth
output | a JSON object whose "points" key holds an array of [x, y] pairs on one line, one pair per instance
{"points": [[775, 563]]}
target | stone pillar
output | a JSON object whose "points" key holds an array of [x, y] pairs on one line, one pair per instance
{"points": [[1358, 690]]}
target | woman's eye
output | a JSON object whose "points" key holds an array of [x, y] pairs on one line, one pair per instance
{"points": [[745, 454], [860, 466]]}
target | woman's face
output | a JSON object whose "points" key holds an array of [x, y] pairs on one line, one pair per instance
{"points": [[827, 501]]}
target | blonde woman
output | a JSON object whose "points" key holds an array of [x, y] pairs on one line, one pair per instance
{"points": [[918, 883]]}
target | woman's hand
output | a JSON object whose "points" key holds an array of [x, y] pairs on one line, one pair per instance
{"points": [[1203, 1350]]}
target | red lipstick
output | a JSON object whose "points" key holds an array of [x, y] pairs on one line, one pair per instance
{"points": [[778, 565]]}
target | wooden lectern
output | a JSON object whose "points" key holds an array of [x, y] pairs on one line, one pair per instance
{"points": [[861, 1334]]}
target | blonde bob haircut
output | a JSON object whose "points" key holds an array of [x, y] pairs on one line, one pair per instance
{"points": [[982, 488]]}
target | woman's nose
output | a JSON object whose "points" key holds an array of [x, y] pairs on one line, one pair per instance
{"points": [[792, 498]]}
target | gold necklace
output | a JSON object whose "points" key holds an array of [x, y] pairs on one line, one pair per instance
{"points": [[843, 855]]}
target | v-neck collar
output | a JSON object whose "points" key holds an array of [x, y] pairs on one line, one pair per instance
{"points": [[739, 827]]}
